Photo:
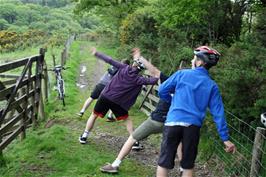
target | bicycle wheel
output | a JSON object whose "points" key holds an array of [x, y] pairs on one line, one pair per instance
{"points": [[61, 91], [63, 100]]}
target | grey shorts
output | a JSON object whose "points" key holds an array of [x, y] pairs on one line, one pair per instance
{"points": [[147, 128]]}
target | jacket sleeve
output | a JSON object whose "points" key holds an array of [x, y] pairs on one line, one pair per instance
{"points": [[217, 110], [168, 87], [147, 81], [109, 60]]}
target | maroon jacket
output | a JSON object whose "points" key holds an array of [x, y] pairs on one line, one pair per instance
{"points": [[125, 86]]}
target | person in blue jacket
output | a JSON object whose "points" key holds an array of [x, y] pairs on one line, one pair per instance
{"points": [[193, 92]]}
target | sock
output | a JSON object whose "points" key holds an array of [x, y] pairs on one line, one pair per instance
{"points": [[116, 163], [82, 111], [85, 134]]}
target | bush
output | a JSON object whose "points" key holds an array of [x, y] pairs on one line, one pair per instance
{"points": [[241, 76]]}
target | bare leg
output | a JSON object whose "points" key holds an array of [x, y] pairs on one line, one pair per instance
{"points": [[179, 152], [110, 114], [126, 148], [90, 122], [161, 172], [187, 173], [129, 125], [86, 104]]}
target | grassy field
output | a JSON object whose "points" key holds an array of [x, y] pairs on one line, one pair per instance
{"points": [[53, 149]]}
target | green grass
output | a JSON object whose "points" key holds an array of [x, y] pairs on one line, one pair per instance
{"points": [[56, 151]]}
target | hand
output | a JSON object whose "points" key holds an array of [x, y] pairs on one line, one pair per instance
{"points": [[135, 53], [93, 50], [229, 147]]}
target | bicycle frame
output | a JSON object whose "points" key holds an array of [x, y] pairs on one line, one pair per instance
{"points": [[60, 85]]}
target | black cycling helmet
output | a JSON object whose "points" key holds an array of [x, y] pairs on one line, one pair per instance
{"points": [[208, 55]]}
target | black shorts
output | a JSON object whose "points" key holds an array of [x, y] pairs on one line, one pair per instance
{"points": [[97, 91], [172, 136], [103, 105]]}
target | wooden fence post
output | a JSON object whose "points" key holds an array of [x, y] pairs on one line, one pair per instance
{"points": [[41, 109], [38, 84], [45, 82], [257, 151], [63, 57]]}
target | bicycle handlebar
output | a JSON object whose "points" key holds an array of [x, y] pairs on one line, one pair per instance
{"points": [[58, 67]]}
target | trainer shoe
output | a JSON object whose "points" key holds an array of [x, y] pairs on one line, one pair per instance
{"points": [[137, 146], [180, 171], [109, 169], [82, 140], [110, 119], [80, 114]]}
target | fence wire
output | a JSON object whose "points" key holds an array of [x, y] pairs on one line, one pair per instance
{"points": [[239, 164]]}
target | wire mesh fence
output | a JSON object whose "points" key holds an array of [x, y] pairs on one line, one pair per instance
{"points": [[250, 157]]}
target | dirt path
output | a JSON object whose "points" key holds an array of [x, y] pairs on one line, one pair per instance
{"points": [[148, 156]]}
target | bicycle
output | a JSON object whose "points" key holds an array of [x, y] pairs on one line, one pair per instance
{"points": [[60, 84]]}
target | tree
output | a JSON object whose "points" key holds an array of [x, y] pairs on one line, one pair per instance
{"points": [[113, 11], [8, 12], [260, 25], [3, 24], [203, 20]]}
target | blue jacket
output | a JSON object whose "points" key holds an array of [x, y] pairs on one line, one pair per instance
{"points": [[194, 91]]}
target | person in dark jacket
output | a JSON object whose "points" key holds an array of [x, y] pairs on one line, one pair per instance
{"points": [[121, 93], [104, 80]]}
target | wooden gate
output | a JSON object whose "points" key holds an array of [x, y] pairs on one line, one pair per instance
{"points": [[20, 97]]}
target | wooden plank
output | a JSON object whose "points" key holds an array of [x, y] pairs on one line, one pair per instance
{"points": [[9, 82], [156, 87], [147, 93], [12, 65], [16, 105], [143, 93], [21, 100], [10, 123], [154, 98], [145, 111], [6, 92], [14, 76], [10, 138], [15, 64], [16, 127], [150, 106]]}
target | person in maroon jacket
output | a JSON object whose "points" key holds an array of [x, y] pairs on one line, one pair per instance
{"points": [[121, 93]]}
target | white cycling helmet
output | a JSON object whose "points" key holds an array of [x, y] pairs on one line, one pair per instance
{"points": [[263, 118], [140, 65]]}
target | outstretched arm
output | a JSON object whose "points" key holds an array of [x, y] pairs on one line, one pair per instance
{"points": [[155, 72], [217, 111], [106, 58]]}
